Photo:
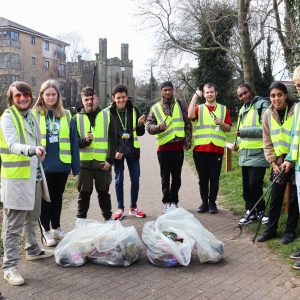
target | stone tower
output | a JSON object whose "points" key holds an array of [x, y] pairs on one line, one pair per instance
{"points": [[113, 71], [102, 72]]}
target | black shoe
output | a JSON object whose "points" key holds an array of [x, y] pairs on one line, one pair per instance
{"points": [[212, 207], [295, 255], [247, 218], [288, 238], [267, 235], [203, 208]]}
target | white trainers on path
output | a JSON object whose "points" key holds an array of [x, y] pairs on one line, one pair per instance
{"points": [[12, 276]]}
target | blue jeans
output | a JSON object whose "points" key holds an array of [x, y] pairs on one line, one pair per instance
{"points": [[133, 164]]}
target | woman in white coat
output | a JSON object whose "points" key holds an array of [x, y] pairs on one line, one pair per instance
{"points": [[22, 180]]}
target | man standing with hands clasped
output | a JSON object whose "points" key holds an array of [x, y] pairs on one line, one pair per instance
{"points": [[22, 180], [212, 121], [168, 121], [129, 125], [97, 147]]}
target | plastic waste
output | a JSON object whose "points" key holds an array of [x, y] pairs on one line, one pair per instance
{"points": [[107, 243]]}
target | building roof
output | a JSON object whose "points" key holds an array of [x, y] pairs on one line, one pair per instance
{"points": [[10, 25]]}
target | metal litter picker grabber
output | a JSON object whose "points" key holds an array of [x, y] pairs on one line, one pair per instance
{"points": [[240, 226]]}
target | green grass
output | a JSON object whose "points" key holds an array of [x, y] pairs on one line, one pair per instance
{"points": [[230, 196]]}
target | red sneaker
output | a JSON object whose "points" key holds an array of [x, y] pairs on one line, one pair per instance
{"points": [[136, 212], [119, 214]]}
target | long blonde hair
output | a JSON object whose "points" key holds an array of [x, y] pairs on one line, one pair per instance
{"points": [[39, 106]]}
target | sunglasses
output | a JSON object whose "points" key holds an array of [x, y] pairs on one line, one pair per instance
{"points": [[19, 95], [297, 85]]}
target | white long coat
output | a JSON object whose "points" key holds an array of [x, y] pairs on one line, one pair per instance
{"points": [[19, 194]]}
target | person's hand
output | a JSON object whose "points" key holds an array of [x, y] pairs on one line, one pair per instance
{"points": [[235, 148], [276, 168], [286, 165], [89, 137], [218, 121], [40, 152], [106, 166], [198, 93], [162, 127], [238, 133], [142, 120], [119, 155]]}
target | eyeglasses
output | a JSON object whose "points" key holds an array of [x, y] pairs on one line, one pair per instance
{"points": [[19, 95], [297, 85]]}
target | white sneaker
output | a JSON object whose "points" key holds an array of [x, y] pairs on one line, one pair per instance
{"points": [[43, 254], [12, 276], [173, 205], [58, 233], [48, 239], [80, 222], [166, 207]]}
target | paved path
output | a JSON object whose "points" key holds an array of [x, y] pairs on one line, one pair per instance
{"points": [[247, 272]]}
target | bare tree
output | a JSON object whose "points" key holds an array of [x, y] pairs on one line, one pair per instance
{"points": [[286, 28], [178, 26], [76, 46]]}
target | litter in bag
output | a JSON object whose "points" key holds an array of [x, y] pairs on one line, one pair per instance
{"points": [[107, 243], [163, 251]]}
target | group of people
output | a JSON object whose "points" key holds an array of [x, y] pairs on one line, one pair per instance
{"points": [[41, 146]]}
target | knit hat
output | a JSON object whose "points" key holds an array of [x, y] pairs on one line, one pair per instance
{"points": [[165, 84]]}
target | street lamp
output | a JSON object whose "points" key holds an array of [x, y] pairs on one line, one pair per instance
{"points": [[122, 71]]}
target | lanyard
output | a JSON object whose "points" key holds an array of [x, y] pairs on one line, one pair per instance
{"points": [[212, 113], [124, 126]]}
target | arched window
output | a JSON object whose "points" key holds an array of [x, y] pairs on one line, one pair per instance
{"points": [[117, 79]]}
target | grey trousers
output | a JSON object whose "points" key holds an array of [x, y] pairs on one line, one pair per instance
{"points": [[13, 222]]}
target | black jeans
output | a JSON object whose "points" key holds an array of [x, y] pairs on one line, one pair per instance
{"points": [[51, 211], [170, 166], [208, 165], [277, 196], [253, 180], [85, 184]]}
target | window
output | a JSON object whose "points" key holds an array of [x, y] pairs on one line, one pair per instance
{"points": [[61, 70], [33, 40], [14, 35], [33, 81], [46, 64], [15, 78], [33, 62], [46, 45]]}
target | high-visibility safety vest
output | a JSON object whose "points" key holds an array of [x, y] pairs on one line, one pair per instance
{"points": [[280, 134], [14, 166], [205, 130], [175, 123], [136, 143], [296, 142], [64, 135], [98, 148], [251, 120]]}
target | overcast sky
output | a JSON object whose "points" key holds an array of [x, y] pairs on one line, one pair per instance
{"points": [[93, 19]]}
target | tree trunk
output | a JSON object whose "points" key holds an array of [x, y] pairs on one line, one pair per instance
{"points": [[246, 54]]}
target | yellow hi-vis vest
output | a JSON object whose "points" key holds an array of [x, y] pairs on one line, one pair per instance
{"points": [[296, 142], [99, 146], [280, 134], [64, 135], [175, 123], [136, 143], [204, 131], [13, 165], [251, 120]]}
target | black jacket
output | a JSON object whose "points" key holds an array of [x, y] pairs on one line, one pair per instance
{"points": [[140, 129]]}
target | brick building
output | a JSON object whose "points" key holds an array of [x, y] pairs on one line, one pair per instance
{"points": [[29, 56]]}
